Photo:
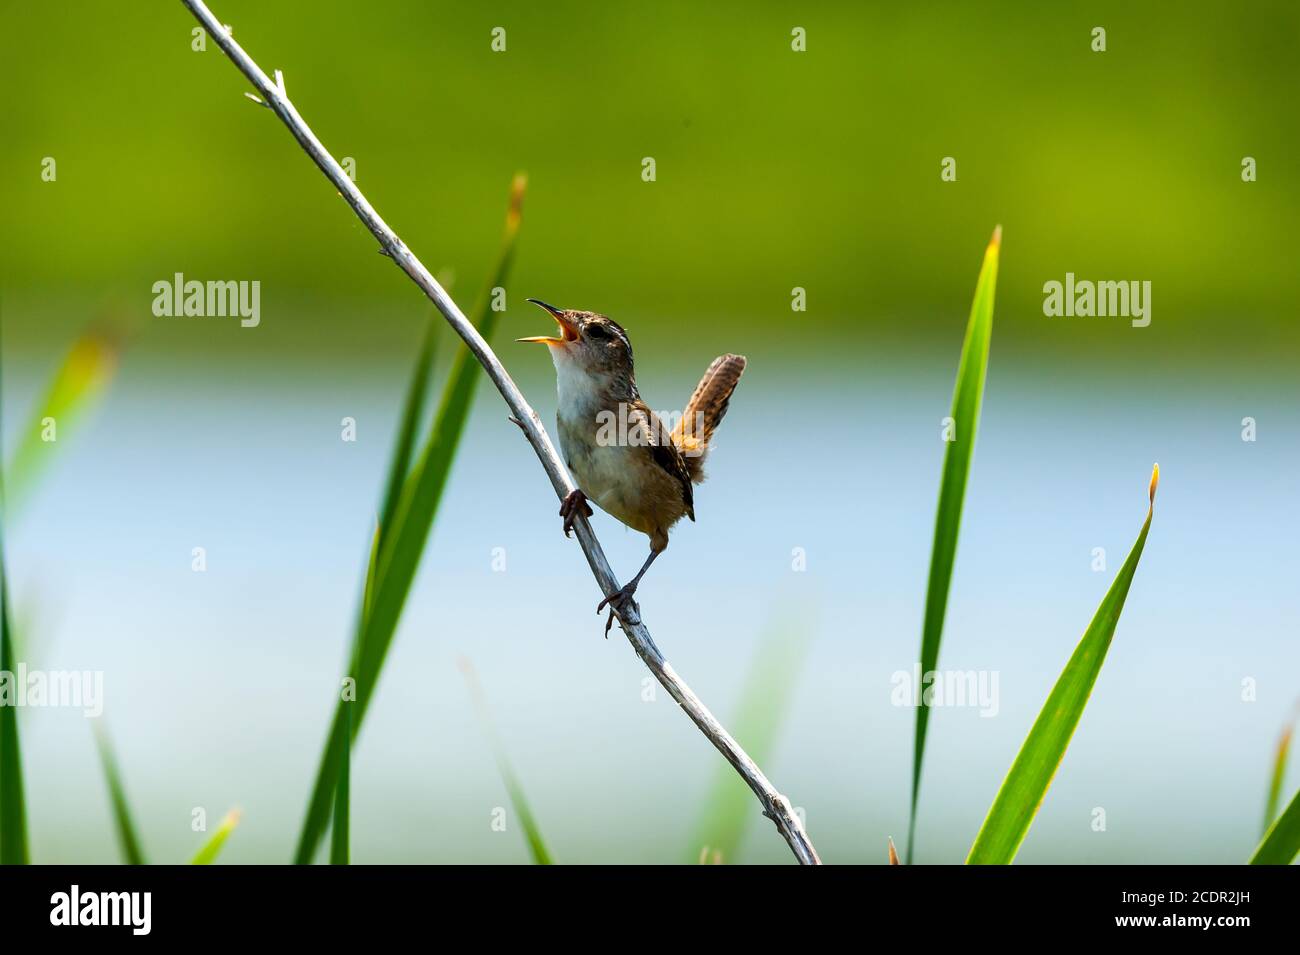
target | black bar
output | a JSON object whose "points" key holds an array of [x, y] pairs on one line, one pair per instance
{"points": [[237, 903]]}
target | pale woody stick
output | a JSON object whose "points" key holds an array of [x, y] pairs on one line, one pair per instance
{"points": [[274, 95]]}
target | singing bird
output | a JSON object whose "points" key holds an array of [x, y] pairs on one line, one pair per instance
{"points": [[622, 456]]}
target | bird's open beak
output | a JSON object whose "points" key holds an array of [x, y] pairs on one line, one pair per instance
{"points": [[568, 329]]}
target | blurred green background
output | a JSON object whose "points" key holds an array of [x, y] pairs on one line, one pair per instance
{"points": [[775, 169]]}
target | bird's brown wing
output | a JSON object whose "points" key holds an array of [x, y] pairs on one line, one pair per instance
{"points": [[666, 455]]}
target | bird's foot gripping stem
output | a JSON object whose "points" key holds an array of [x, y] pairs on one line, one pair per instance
{"points": [[620, 598], [575, 503]]}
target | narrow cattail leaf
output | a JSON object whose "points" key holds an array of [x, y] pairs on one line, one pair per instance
{"points": [[13, 799], [532, 832], [127, 836], [208, 854], [72, 394], [1279, 771], [764, 701], [1031, 774], [967, 397], [400, 544], [407, 430], [339, 835], [1281, 842]]}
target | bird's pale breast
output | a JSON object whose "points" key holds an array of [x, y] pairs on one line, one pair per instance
{"points": [[621, 478]]}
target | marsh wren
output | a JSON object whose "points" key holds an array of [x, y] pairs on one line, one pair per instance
{"points": [[617, 448]]}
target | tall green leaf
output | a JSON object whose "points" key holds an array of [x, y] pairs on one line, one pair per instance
{"points": [[72, 393], [339, 834], [399, 546], [1279, 772], [967, 396], [1031, 774], [126, 831], [532, 832], [764, 702], [210, 849], [1282, 840], [13, 801], [400, 466]]}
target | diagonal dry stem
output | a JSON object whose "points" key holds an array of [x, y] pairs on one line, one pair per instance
{"points": [[273, 95]]}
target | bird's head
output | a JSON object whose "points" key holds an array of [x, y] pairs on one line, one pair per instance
{"points": [[591, 342]]}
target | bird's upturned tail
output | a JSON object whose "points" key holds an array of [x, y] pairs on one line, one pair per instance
{"points": [[705, 410]]}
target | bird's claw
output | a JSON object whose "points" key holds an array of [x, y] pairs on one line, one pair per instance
{"points": [[617, 599], [573, 505]]}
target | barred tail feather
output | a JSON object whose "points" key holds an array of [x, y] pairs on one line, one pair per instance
{"points": [[705, 411]]}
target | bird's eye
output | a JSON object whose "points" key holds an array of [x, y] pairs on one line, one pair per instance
{"points": [[599, 332]]}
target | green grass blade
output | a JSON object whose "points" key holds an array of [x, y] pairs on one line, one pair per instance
{"points": [[127, 837], [401, 544], [13, 801], [322, 796], [536, 846], [532, 832], [764, 702], [967, 396], [400, 551], [208, 854], [400, 466], [74, 390], [1279, 772], [367, 591], [1282, 840], [339, 835], [1031, 774]]}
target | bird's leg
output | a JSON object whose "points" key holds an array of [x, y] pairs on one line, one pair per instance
{"points": [[625, 592], [570, 506], [629, 588]]}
